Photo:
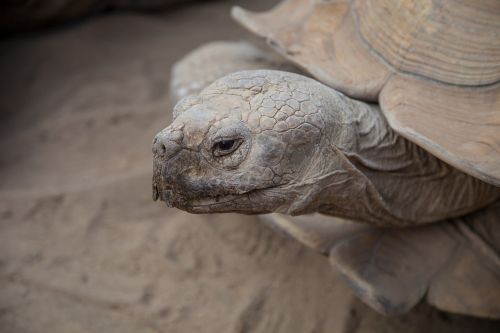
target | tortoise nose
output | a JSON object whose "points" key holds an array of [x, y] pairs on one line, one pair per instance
{"points": [[167, 143]]}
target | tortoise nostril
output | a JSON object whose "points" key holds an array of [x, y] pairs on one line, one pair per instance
{"points": [[164, 146]]}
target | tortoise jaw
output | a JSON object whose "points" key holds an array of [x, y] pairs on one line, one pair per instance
{"points": [[162, 194], [157, 179], [156, 190], [199, 205], [227, 203], [161, 190], [213, 200], [210, 204], [231, 203]]}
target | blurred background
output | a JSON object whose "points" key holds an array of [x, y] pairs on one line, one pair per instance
{"points": [[83, 248]]}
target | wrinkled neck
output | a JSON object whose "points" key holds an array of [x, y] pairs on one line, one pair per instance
{"points": [[371, 144], [380, 176]]}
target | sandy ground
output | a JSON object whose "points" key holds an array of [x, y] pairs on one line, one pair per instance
{"points": [[82, 246]]}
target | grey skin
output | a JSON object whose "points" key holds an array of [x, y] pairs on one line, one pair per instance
{"points": [[264, 141]]}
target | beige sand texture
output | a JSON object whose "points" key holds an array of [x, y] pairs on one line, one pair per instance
{"points": [[82, 246]]}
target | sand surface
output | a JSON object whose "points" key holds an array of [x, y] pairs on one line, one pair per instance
{"points": [[82, 246]]}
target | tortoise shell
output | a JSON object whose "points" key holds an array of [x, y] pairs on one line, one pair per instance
{"points": [[433, 66]]}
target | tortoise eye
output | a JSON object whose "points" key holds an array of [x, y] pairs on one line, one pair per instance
{"points": [[225, 146]]}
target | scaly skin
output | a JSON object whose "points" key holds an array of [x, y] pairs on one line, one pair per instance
{"points": [[301, 147]]}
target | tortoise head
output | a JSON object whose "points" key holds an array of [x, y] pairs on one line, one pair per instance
{"points": [[240, 146]]}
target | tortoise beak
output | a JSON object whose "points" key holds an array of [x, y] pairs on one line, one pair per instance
{"points": [[161, 189], [158, 181], [156, 193], [166, 144]]}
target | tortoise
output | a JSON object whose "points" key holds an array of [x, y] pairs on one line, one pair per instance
{"points": [[384, 156]]}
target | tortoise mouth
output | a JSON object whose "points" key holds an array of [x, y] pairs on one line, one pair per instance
{"points": [[209, 204], [249, 202], [212, 199], [216, 204], [220, 199]]}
